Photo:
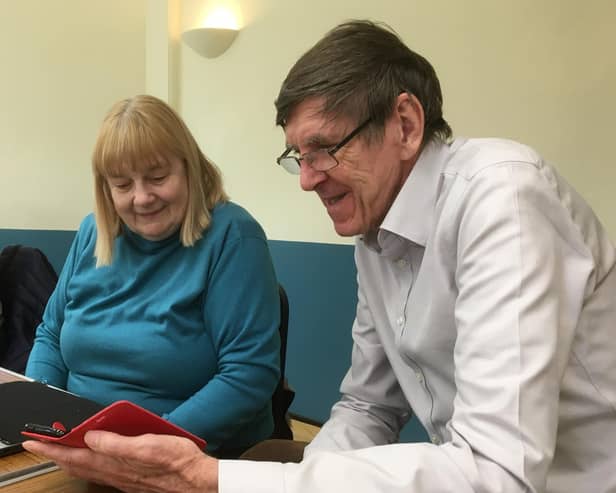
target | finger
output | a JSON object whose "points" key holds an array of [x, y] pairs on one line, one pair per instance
{"points": [[34, 447], [140, 448], [148, 448], [95, 467], [102, 469], [75, 461], [56, 452], [120, 480]]}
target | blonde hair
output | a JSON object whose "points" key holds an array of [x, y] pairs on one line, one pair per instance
{"points": [[137, 132]]}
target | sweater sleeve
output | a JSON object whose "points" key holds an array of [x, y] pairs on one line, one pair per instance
{"points": [[45, 363], [241, 311]]}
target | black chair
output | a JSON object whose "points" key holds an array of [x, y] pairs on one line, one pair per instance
{"points": [[283, 395], [282, 436], [27, 279]]}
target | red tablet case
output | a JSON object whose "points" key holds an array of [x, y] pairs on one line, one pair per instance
{"points": [[124, 418]]}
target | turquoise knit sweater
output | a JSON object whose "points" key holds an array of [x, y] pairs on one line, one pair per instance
{"points": [[188, 333]]}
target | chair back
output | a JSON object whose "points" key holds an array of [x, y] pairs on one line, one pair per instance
{"points": [[283, 395], [27, 279]]}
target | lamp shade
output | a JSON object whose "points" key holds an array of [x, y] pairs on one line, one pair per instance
{"points": [[209, 42]]}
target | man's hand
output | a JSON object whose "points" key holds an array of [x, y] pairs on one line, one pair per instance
{"points": [[143, 464]]}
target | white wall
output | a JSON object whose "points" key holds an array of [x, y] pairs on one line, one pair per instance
{"points": [[64, 63], [540, 72]]}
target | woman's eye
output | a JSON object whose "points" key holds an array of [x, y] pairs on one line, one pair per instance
{"points": [[122, 186], [159, 179]]}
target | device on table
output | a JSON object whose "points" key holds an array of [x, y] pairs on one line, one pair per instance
{"points": [[122, 417], [58, 416], [26, 401]]}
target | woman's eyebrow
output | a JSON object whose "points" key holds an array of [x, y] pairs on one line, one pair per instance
{"points": [[117, 176], [156, 168]]}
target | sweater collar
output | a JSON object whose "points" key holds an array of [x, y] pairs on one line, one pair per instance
{"points": [[149, 246]]}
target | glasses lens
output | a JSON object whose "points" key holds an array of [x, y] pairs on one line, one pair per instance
{"points": [[290, 164], [322, 160]]}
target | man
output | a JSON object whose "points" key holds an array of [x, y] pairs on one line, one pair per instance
{"points": [[486, 302]]}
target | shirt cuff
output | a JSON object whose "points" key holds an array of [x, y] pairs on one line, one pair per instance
{"points": [[240, 476]]}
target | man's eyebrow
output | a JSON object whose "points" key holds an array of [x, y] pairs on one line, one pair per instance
{"points": [[291, 147], [318, 140]]}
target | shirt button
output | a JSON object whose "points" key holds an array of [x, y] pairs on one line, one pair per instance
{"points": [[419, 376], [401, 263], [400, 321], [435, 440]]}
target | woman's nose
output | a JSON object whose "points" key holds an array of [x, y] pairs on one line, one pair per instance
{"points": [[143, 194]]}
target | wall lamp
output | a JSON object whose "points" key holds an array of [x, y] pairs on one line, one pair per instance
{"points": [[209, 42]]}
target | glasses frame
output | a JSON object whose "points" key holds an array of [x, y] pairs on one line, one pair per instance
{"points": [[331, 151]]}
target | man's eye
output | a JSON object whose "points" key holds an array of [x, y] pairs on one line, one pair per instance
{"points": [[309, 158], [314, 156]]}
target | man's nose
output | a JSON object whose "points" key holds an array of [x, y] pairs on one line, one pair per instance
{"points": [[309, 178]]}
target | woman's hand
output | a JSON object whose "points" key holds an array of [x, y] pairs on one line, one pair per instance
{"points": [[143, 464]]}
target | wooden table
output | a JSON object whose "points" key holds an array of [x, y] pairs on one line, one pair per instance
{"points": [[51, 482]]}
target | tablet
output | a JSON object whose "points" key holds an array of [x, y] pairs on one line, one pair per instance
{"points": [[33, 402], [8, 448], [122, 417]]}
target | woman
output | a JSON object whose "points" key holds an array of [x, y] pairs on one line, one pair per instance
{"points": [[168, 297]]}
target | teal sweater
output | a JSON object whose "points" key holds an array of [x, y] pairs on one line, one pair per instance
{"points": [[188, 333]]}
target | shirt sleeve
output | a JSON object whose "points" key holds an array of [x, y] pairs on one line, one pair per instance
{"points": [[373, 409], [390, 468], [242, 312], [521, 277]]}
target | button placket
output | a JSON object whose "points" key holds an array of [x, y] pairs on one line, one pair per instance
{"points": [[405, 277], [402, 263], [419, 376]]}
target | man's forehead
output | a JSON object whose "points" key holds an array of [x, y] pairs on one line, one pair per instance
{"points": [[308, 125]]}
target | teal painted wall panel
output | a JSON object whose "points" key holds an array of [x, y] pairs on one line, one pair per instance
{"points": [[320, 281], [54, 244]]}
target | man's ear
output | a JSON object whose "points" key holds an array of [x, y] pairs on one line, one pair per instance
{"points": [[411, 120]]}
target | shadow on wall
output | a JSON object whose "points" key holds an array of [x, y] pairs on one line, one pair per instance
{"points": [[320, 281]]}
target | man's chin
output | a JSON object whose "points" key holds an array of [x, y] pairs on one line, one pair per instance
{"points": [[346, 228]]}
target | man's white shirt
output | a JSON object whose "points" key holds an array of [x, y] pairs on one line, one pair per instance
{"points": [[487, 308]]}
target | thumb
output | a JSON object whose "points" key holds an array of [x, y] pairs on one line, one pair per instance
{"points": [[96, 440]]}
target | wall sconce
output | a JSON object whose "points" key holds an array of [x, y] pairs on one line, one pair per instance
{"points": [[209, 42]]}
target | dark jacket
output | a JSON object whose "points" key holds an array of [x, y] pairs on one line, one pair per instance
{"points": [[27, 279]]}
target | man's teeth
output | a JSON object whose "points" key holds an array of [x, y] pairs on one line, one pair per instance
{"points": [[333, 200]]}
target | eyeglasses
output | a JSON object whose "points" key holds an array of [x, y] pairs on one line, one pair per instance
{"points": [[319, 159]]}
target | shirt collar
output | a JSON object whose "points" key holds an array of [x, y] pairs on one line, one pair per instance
{"points": [[412, 213]]}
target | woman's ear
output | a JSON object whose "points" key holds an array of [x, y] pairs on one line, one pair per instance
{"points": [[411, 120]]}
